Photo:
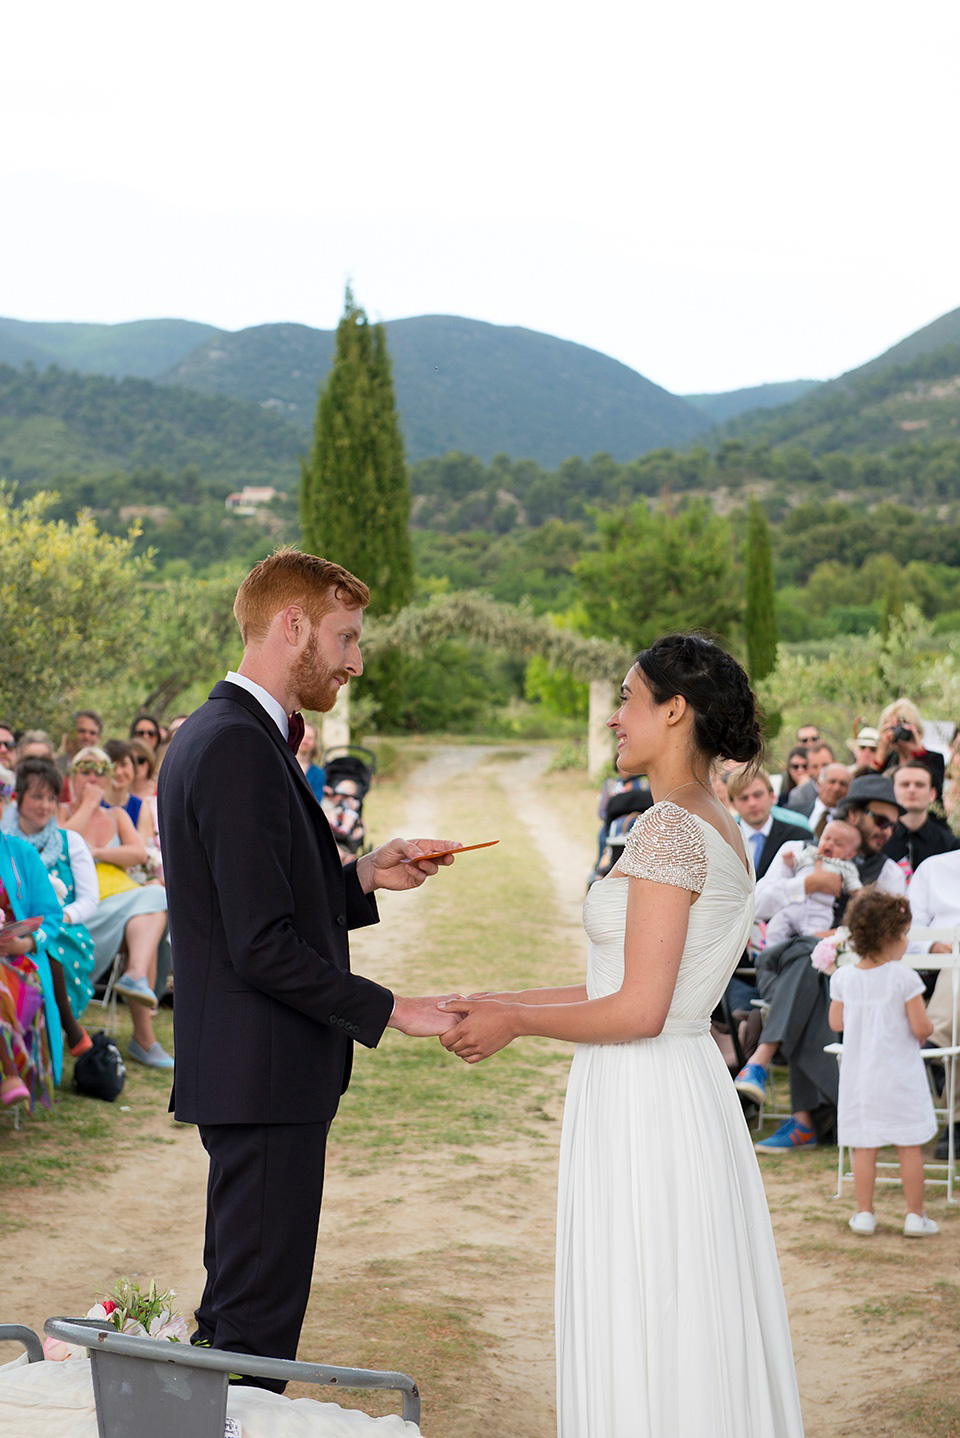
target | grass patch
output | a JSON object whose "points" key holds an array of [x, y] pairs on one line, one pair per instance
{"points": [[401, 1318], [84, 1135], [485, 928]]}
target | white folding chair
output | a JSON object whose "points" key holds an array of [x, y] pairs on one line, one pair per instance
{"points": [[108, 1001], [943, 1105]]}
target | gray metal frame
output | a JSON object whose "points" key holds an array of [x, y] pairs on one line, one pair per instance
{"points": [[156, 1389], [16, 1333]]}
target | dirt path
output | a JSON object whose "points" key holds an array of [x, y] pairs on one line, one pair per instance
{"points": [[874, 1322]]}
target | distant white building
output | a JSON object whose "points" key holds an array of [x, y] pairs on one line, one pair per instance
{"points": [[249, 499]]}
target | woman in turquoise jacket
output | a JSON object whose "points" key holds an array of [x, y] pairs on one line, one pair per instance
{"points": [[25, 893]]}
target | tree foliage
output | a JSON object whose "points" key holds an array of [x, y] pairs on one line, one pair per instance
{"points": [[72, 614], [657, 571], [759, 618], [354, 496]]}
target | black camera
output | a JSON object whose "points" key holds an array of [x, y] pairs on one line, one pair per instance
{"points": [[903, 734]]}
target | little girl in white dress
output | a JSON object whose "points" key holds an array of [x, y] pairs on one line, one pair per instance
{"points": [[884, 1096]]}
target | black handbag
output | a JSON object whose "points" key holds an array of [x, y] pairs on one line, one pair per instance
{"points": [[100, 1072]]}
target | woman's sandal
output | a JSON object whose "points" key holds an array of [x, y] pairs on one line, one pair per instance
{"points": [[82, 1046], [13, 1089]]}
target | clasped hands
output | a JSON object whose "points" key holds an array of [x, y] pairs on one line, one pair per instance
{"points": [[473, 1028]]}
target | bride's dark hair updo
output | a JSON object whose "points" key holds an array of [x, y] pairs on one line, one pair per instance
{"points": [[725, 720]]}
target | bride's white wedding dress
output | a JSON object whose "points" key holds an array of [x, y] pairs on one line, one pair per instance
{"points": [[671, 1320]]}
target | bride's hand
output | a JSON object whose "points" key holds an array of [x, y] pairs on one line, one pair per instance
{"points": [[485, 1026]]}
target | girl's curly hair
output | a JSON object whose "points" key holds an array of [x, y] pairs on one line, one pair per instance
{"points": [[875, 919]]}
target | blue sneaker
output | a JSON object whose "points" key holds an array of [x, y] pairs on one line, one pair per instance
{"points": [[155, 1057], [137, 990], [789, 1135], [751, 1081]]}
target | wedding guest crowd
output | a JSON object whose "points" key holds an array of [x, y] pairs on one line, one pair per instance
{"points": [[80, 868], [883, 825]]}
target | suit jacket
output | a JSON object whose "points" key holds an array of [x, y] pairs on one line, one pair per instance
{"points": [[803, 797], [779, 833], [259, 906]]}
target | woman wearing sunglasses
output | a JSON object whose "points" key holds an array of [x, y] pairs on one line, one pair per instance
{"points": [[795, 772], [146, 728]]}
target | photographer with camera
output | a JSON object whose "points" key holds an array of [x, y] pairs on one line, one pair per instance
{"points": [[901, 742]]}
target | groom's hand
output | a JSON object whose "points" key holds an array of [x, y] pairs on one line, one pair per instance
{"points": [[422, 1018], [484, 1027], [390, 866]]}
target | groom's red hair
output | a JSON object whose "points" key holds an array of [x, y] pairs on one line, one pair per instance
{"points": [[291, 577]]}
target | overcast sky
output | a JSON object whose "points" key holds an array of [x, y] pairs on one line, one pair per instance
{"points": [[717, 195]]}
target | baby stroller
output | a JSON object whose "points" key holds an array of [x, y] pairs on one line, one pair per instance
{"points": [[349, 773]]}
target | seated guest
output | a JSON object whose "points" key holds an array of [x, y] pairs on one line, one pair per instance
{"points": [[832, 786], [918, 834], [901, 738], [804, 798], [795, 772], [935, 901], [719, 775], [70, 868], [765, 829], [34, 744], [307, 759], [812, 912], [144, 758], [130, 916], [146, 728], [145, 789], [8, 747], [174, 725], [872, 805], [117, 790], [87, 729], [761, 820], [31, 1052], [808, 735], [863, 747]]}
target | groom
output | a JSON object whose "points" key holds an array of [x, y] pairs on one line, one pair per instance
{"points": [[267, 1009]]}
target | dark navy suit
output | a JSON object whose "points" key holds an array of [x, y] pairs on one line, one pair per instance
{"points": [[266, 1008]]}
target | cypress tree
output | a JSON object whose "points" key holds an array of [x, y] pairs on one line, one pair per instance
{"points": [[355, 490], [760, 620]]}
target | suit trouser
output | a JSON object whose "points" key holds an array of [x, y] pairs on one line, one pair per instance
{"points": [[263, 1211]]}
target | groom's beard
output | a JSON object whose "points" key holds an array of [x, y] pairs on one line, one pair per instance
{"points": [[313, 679]]}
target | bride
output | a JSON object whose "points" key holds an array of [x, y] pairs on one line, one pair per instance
{"points": [[671, 1320]]}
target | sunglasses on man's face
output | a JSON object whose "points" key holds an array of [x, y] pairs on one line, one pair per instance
{"points": [[882, 821], [6, 744]]}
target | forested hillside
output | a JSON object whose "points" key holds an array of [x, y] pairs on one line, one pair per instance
{"points": [[142, 349], [461, 384], [56, 423], [911, 391]]}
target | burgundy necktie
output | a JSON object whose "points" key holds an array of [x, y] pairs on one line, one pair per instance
{"points": [[295, 730]]}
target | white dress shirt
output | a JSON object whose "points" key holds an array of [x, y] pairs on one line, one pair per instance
{"points": [[264, 698]]}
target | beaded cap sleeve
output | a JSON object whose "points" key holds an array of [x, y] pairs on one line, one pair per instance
{"points": [[666, 845]]}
